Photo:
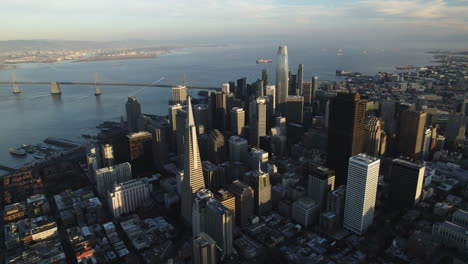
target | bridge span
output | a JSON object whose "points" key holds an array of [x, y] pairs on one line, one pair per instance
{"points": [[117, 84]]}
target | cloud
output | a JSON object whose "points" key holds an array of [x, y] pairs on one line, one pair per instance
{"points": [[404, 8], [417, 9], [250, 18]]}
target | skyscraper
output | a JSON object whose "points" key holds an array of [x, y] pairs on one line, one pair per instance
{"points": [[282, 82], [257, 120], [292, 84], [260, 182], [161, 142], [173, 125], [244, 202], [406, 183], [237, 121], [199, 210], [361, 192], [225, 88], [216, 147], [219, 225], [237, 149], [193, 172], [270, 91], [300, 80], [305, 211], [336, 204], [295, 109], [181, 120], [411, 132], [204, 249], [454, 123], [427, 142], [140, 150], [321, 182], [310, 90], [314, 87], [105, 178], [345, 132], [387, 112], [179, 94], [227, 199], [202, 115], [133, 112], [375, 137], [260, 91], [127, 196], [242, 88], [265, 77], [213, 175], [107, 155], [219, 110]]}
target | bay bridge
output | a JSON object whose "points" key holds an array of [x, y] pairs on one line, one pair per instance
{"points": [[55, 85]]}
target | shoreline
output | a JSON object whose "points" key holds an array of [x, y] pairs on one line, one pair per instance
{"points": [[111, 58], [98, 57]]}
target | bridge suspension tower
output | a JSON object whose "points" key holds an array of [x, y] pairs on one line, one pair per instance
{"points": [[16, 89], [96, 82]]}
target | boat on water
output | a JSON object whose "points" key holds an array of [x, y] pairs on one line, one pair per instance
{"points": [[340, 52], [38, 156], [17, 151], [405, 67], [343, 72], [263, 61]]}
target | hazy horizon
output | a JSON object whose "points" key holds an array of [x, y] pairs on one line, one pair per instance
{"points": [[361, 23]]}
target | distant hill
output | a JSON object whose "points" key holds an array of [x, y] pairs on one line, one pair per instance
{"points": [[72, 44]]}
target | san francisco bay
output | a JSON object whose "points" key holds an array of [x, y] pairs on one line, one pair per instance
{"points": [[33, 115]]}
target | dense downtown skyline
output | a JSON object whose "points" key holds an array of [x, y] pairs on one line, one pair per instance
{"points": [[387, 23]]}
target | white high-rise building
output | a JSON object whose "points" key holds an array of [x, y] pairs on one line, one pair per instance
{"points": [[238, 149], [225, 88], [106, 177], [127, 196], [361, 192]]}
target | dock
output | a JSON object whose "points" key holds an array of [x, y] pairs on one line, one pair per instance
{"points": [[6, 168]]}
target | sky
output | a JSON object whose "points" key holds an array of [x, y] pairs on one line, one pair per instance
{"points": [[396, 23]]}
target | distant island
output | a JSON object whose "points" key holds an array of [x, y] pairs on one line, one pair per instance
{"points": [[128, 54], [7, 66], [51, 51]]}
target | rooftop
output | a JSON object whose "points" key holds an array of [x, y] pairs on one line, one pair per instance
{"points": [[453, 227], [139, 134], [363, 158]]}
